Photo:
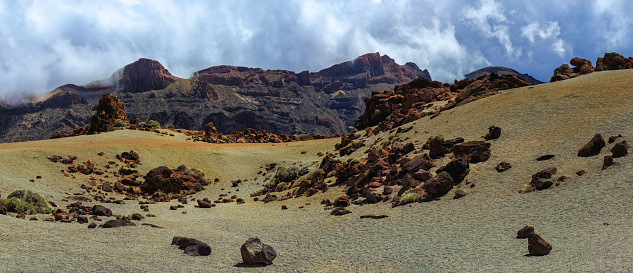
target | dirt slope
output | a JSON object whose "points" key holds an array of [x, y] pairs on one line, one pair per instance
{"points": [[475, 233]]}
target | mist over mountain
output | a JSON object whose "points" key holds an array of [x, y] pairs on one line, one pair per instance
{"points": [[48, 44]]}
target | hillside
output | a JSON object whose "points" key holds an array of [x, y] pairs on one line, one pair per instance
{"points": [[585, 218], [233, 98]]}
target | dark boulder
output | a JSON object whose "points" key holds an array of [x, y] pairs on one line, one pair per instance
{"points": [[477, 151], [192, 246], [537, 246], [592, 147], [494, 132], [117, 223], [503, 166], [255, 252], [620, 149], [100, 210], [458, 169], [439, 184], [525, 232]]}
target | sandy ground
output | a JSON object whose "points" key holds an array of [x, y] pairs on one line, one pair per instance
{"points": [[588, 220]]}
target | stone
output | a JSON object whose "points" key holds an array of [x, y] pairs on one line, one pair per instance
{"points": [[620, 149], [192, 246], [494, 132], [439, 185], [459, 193], [373, 196], [503, 166], [477, 151], [608, 162], [342, 201], [374, 216], [457, 168], [544, 157], [592, 147], [92, 225], [117, 223], [338, 211], [255, 252], [137, 217], [537, 246], [525, 232], [100, 210], [541, 180], [203, 204]]}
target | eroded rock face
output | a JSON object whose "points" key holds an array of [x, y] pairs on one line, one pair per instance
{"points": [[255, 252], [144, 75]]}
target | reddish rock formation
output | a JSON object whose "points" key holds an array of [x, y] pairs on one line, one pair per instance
{"points": [[592, 147], [610, 61], [255, 252], [613, 61], [181, 181], [439, 185], [109, 111], [476, 151], [408, 102], [144, 75]]}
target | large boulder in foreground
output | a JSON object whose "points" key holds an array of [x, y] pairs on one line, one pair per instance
{"points": [[255, 252], [592, 147]]}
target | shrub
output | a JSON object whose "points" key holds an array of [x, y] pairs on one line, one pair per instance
{"points": [[285, 174], [409, 197], [310, 176], [427, 144], [120, 123], [304, 137], [154, 124], [354, 161], [21, 201]]}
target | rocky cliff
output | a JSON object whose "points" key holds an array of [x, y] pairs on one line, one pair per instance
{"points": [[233, 98]]}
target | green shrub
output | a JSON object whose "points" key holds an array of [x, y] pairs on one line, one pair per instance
{"points": [[21, 201], [154, 124], [285, 174], [310, 176], [354, 161], [304, 137], [427, 144], [409, 197], [120, 123]]}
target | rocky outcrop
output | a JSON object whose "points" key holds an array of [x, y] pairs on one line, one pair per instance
{"points": [[181, 181], [610, 61], [144, 75], [255, 252], [278, 102], [409, 102], [542, 180], [109, 110]]}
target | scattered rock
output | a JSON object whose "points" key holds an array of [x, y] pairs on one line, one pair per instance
{"points": [[117, 223], [192, 246], [525, 232], [537, 246], [494, 132], [439, 184], [614, 138], [92, 225], [100, 210], [608, 162], [374, 216], [151, 225], [477, 151], [137, 217], [203, 204], [620, 149], [342, 201], [581, 172], [255, 252], [338, 211], [503, 166], [459, 194], [457, 168], [284, 207], [592, 147], [541, 180]]}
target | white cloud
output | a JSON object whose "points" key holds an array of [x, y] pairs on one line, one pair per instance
{"points": [[535, 30], [489, 19]]}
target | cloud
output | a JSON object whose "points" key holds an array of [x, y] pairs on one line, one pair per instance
{"points": [[45, 44]]}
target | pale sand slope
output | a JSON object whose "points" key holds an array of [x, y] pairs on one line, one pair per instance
{"points": [[475, 233]]}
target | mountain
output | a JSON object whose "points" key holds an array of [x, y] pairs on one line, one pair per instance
{"points": [[501, 71], [233, 98]]}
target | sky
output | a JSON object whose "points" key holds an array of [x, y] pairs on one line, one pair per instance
{"points": [[46, 44]]}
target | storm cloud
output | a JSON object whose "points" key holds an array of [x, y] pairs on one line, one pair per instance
{"points": [[45, 44]]}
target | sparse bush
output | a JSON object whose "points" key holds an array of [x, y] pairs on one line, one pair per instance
{"points": [[21, 201], [427, 144], [120, 123], [304, 137], [409, 197], [285, 174], [354, 161], [154, 124], [310, 176]]}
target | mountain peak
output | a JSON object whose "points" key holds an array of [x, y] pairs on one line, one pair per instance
{"points": [[501, 71], [144, 75]]}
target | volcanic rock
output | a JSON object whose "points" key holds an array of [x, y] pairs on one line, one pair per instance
{"points": [[144, 75], [192, 246], [439, 184], [342, 201], [620, 149], [477, 151], [608, 162], [255, 252], [525, 232], [459, 194], [537, 246], [100, 210], [613, 61], [541, 180], [494, 132], [374, 216], [592, 147], [503, 166], [457, 168], [109, 111], [117, 223], [338, 211]]}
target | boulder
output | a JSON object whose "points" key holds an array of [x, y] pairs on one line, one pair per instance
{"points": [[525, 232], [338, 211], [439, 184], [373, 196], [204, 204], [494, 132], [342, 201], [537, 246], [255, 252], [192, 246], [592, 147], [620, 149], [541, 180], [458, 168], [117, 223], [459, 194], [477, 151], [503, 166], [100, 210], [608, 162]]}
